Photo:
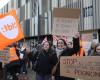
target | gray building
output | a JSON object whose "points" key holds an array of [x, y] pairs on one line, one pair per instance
{"points": [[36, 15]]}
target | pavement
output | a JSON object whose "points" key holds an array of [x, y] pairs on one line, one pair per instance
{"points": [[31, 74]]}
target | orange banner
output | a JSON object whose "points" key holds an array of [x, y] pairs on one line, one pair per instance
{"points": [[10, 29]]}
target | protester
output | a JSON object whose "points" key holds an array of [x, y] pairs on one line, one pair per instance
{"points": [[92, 49], [70, 45], [31, 54], [60, 47], [17, 47], [12, 67], [45, 59], [97, 50], [81, 51], [63, 50], [23, 58]]}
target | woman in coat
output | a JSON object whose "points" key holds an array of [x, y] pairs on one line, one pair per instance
{"points": [[45, 59], [63, 50]]}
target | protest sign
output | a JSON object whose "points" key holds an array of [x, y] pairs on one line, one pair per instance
{"points": [[86, 68], [4, 55]]}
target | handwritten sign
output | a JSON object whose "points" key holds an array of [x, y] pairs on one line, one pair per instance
{"points": [[67, 26], [4, 55], [65, 21], [87, 68]]}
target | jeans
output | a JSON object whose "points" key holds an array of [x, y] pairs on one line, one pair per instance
{"points": [[40, 76], [23, 67]]}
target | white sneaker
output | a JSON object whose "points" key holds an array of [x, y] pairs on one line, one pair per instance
{"points": [[17, 74]]}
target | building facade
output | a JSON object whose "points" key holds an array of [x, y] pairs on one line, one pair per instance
{"points": [[36, 15]]}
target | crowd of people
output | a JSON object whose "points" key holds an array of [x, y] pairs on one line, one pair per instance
{"points": [[45, 58]]}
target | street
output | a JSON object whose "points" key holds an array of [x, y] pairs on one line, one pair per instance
{"points": [[31, 74]]}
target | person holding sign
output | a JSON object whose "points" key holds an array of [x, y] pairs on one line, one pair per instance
{"points": [[65, 51], [12, 67]]}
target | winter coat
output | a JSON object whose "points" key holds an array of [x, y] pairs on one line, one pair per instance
{"points": [[91, 52], [69, 52], [45, 61]]}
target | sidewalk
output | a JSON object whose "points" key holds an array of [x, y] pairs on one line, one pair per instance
{"points": [[31, 74]]}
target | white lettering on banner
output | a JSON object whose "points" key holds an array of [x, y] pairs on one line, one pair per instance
{"points": [[8, 27]]}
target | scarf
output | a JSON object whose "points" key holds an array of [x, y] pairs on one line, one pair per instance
{"points": [[58, 52]]}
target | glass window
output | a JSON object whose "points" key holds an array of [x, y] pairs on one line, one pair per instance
{"points": [[26, 1], [28, 9], [88, 11], [46, 24], [22, 13], [49, 4], [54, 4], [63, 3], [27, 27], [19, 3], [33, 32], [12, 4], [23, 2]]}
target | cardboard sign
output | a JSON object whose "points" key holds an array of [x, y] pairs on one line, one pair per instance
{"points": [[86, 68], [67, 26], [65, 21], [4, 55], [10, 30]]}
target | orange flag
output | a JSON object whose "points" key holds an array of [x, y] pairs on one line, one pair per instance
{"points": [[10, 29]]}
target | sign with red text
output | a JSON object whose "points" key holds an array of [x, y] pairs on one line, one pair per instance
{"points": [[86, 68], [10, 29]]}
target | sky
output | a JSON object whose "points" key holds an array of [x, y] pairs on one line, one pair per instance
{"points": [[3, 3]]}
